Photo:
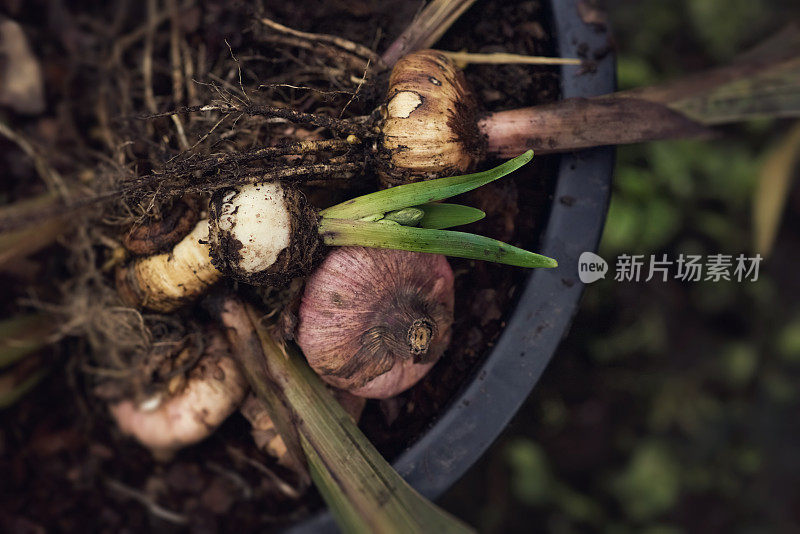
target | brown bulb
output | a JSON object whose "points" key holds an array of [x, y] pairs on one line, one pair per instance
{"points": [[430, 125], [374, 321], [161, 235]]}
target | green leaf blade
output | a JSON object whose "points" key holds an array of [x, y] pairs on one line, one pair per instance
{"points": [[404, 196], [360, 487], [439, 216], [338, 232], [770, 92]]}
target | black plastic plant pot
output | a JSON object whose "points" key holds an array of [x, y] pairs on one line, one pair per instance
{"points": [[481, 410]]}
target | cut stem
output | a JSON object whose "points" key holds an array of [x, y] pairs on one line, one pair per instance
{"points": [[426, 28], [578, 123], [765, 82]]}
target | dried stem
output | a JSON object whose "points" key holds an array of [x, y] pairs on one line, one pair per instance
{"points": [[248, 351], [426, 28], [580, 123], [465, 58], [362, 490], [758, 84], [147, 57]]}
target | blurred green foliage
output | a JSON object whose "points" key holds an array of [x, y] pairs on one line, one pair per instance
{"points": [[723, 26], [649, 484], [672, 407]]}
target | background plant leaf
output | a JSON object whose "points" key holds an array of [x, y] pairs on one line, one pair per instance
{"points": [[772, 188], [17, 244]]}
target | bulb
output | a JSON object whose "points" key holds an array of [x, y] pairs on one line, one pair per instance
{"points": [[165, 282], [429, 121], [374, 321], [262, 233], [168, 422], [161, 235]]}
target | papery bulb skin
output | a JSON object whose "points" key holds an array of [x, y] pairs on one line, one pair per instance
{"points": [[374, 321], [164, 233], [429, 127], [263, 233]]}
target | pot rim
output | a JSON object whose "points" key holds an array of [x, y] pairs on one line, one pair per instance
{"points": [[485, 405], [478, 414]]}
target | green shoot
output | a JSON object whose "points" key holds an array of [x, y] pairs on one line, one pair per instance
{"points": [[439, 216], [337, 232], [386, 219], [404, 196], [405, 216]]}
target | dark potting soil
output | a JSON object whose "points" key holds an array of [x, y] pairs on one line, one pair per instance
{"points": [[63, 464]]}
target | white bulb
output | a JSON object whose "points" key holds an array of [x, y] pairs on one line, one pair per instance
{"points": [[256, 216]]}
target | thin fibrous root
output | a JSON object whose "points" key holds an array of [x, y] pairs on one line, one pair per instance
{"points": [[340, 126], [351, 61], [344, 44], [335, 169], [296, 148], [317, 170]]}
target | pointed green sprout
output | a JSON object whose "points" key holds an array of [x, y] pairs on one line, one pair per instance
{"points": [[404, 196], [387, 219], [439, 216], [434, 215], [405, 216]]}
